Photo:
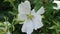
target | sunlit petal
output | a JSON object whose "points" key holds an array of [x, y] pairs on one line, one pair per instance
{"points": [[8, 32], [41, 10], [27, 27], [24, 8], [22, 17], [37, 20], [33, 12], [58, 5]]}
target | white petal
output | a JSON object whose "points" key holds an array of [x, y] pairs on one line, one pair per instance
{"points": [[37, 21], [27, 27], [6, 23], [8, 32], [33, 12], [55, 0], [58, 5], [22, 17], [24, 8], [41, 10], [57, 8]]}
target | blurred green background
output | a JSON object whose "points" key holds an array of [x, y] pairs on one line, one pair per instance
{"points": [[51, 17]]}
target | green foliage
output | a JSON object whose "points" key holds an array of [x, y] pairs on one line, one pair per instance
{"points": [[51, 20]]}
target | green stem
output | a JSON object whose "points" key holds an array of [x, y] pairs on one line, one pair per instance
{"points": [[12, 4], [57, 32]]}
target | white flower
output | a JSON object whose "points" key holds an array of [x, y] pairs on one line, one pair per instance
{"points": [[8, 32], [6, 23], [32, 19], [58, 4], [55, 0]]}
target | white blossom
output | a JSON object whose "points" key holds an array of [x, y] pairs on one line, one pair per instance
{"points": [[58, 4], [8, 32], [32, 19], [6, 23]]}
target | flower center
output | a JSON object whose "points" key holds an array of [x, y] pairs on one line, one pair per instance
{"points": [[29, 16]]}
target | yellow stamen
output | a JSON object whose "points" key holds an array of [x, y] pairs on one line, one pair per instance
{"points": [[29, 16]]}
